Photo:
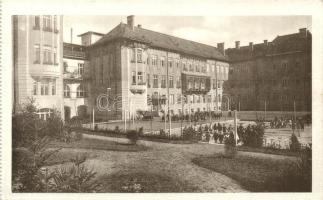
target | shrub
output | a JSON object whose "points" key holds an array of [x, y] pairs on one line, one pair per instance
{"points": [[27, 165], [253, 135], [294, 145], [296, 177], [117, 129], [76, 178], [133, 136], [141, 131], [230, 146]]}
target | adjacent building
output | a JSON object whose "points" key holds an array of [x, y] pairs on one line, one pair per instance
{"points": [[37, 62], [272, 75], [145, 70], [75, 62]]}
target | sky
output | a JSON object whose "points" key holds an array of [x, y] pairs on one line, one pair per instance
{"points": [[204, 29]]}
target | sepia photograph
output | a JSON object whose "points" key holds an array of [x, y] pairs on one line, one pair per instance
{"points": [[161, 104]]}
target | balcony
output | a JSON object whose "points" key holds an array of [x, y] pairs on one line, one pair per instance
{"points": [[74, 54], [138, 88], [49, 70], [201, 84], [72, 76]]}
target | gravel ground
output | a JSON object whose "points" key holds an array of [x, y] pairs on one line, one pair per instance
{"points": [[173, 160]]}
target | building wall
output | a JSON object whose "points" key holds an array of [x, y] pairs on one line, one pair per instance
{"points": [[271, 79], [30, 68], [73, 79], [104, 72], [118, 58]]}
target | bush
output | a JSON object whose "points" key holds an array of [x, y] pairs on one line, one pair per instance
{"points": [[230, 146], [252, 136], [133, 136], [297, 177], [76, 178], [294, 145]]}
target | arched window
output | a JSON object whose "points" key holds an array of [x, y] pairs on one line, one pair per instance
{"points": [[80, 91], [67, 91]]}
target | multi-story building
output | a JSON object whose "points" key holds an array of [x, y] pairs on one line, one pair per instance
{"points": [[275, 75], [135, 65], [38, 69], [75, 62]]}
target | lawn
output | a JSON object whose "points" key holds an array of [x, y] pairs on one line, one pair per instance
{"points": [[144, 182], [79, 148], [96, 144], [259, 174]]}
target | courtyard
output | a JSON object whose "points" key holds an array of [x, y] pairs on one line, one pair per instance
{"points": [[174, 166]]}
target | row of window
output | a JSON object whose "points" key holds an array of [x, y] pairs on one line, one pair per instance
{"points": [[49, 55], [245, 68], [139, 79], [188, 99], [49, 23], [80, 91], [153, 60], [44, 87], [268, 98]]}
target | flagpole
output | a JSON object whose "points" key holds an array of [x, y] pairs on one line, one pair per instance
{"points": [[93, 118], [235, 127]]}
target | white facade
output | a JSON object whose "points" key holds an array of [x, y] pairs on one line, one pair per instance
{"points": [[38, 66]]}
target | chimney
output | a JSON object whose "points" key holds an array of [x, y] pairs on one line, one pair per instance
{"points": [[139, 25], [303, 32], [131, 21], [237, 44], [251, 46], [220, 47], [266, 42]]}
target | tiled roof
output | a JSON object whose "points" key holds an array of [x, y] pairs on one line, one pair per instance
{"points": [[281, 44], [162, 41]]}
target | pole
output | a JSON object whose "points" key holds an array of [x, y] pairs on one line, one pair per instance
{"points": [[125, 120], [167, 71], [93, 118], [235, 127], [182, 115], [151, 117], [265, 109]]}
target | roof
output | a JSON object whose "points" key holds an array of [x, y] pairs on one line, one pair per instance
{"points": [[91, 32], [295, 42], [163, 41]]}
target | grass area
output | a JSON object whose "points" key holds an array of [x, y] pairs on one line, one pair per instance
{"points": [[96, 144], [86, 143], [144, 182], [147, 138], [284, 152], [259, 174]]}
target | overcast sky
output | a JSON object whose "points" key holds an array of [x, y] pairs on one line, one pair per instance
{"points": [[207, 29]]}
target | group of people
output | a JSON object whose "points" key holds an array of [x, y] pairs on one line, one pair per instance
{"points": [[217, 133], [195, 117], [284, 122]]}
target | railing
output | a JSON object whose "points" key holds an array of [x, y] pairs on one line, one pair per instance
{"points": [[74, 54], [68, 75]]}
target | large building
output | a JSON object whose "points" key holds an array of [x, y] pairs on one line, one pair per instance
{"points": [[134, 66], [38, 69], [272, 75], [75, 62]]}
